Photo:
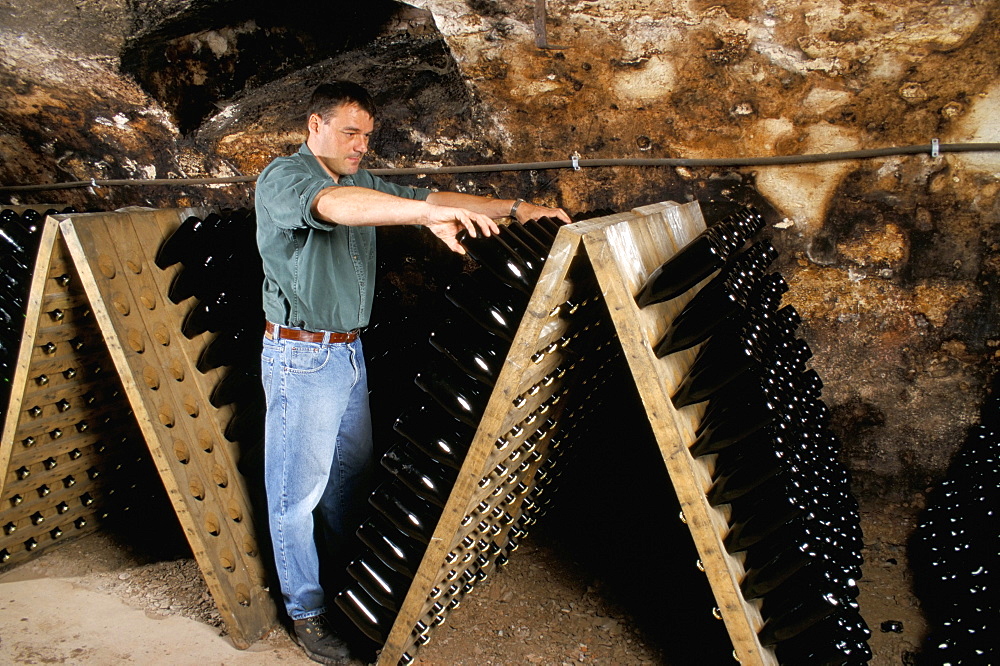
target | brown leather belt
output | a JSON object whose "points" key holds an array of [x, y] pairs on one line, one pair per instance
{"points": [[275, 332]]}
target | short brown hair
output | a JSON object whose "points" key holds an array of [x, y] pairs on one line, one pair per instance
{"points": [[330, 96]]}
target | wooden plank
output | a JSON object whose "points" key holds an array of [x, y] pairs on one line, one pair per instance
{"points": [[623, 253], [170, 399], [21, 371]]}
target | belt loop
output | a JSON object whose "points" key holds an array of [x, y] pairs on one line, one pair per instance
{"points": [[326, 337], [277, 332]]}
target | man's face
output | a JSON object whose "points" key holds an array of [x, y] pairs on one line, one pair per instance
{"points": [[341, 138]]}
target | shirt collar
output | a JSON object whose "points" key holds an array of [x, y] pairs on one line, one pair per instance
{"points": [[317, 168]]}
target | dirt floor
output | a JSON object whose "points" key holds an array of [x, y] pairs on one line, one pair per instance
{"points": [[95, 601], [99, 601]]}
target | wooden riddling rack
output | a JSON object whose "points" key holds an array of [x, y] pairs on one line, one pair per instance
{"points": [[620, 251], [71, 452], [111, 255]]}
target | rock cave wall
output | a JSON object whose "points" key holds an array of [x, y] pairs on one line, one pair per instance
{"points": [[892, 262]]}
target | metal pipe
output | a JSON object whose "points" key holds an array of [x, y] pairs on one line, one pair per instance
{"points": [[775, 160]]}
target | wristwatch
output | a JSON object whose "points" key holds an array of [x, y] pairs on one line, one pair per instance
{"points": [[513, 209]]}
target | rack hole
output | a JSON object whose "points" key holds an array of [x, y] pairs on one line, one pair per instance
{"points": [[148, 300], [227, 560], [161, 335], [177, 370], [182, 452], [135, 341], [212, 525], [166, 417], [220, 476], [206, 442], [106, 266], [151, 377], [120, 303]]}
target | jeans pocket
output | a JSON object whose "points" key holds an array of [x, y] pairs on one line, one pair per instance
{"points": [[307, 357]]}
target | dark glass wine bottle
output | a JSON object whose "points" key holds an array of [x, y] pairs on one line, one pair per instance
{"points": [[239, 384], [532, 238], [436, 433], [214, 314], [825, 573], [385, 586], [761, 516], [522, 246], [546, 227], [496, 257], [459, 395], [705, 254], [373, 619], [427, 479], [498, 311], [736, 424], [760, 325], [768, 331], [768, 461], [32, 220], [14, 243], [408, 513], [15, 277], [721, 299], [709, 374], [8, 215], [705, 379], [247, 423], [474, 350], [196, 278], [238, 346], [836, 640], [840, 545], [395, 549], [812, 606], [760, 580], [186, 240]]}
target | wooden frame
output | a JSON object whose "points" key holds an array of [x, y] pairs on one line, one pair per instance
{"points": [[69, 442], [102, 264], [607, 258]]}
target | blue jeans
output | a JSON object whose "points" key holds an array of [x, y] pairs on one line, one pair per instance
{"points": [[317, 457]]}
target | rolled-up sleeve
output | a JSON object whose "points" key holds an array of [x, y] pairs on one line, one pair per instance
{"points": [[287, 190]]}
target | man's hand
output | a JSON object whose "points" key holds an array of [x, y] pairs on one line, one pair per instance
{"points": [[528, 211], [446, 222]]}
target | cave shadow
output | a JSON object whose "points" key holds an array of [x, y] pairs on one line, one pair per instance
{"points": [[190, 62], [616, 516]]}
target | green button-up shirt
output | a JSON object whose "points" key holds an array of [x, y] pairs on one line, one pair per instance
{"points": [[317, 276]]}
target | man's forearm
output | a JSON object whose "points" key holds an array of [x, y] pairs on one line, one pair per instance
{"points": [[360, 206], [494, 208]]}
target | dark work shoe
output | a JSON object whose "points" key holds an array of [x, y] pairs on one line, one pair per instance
{"points": [[319, 642]]}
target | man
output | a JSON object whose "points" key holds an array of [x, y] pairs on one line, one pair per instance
{"points": [[316, 213]]}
